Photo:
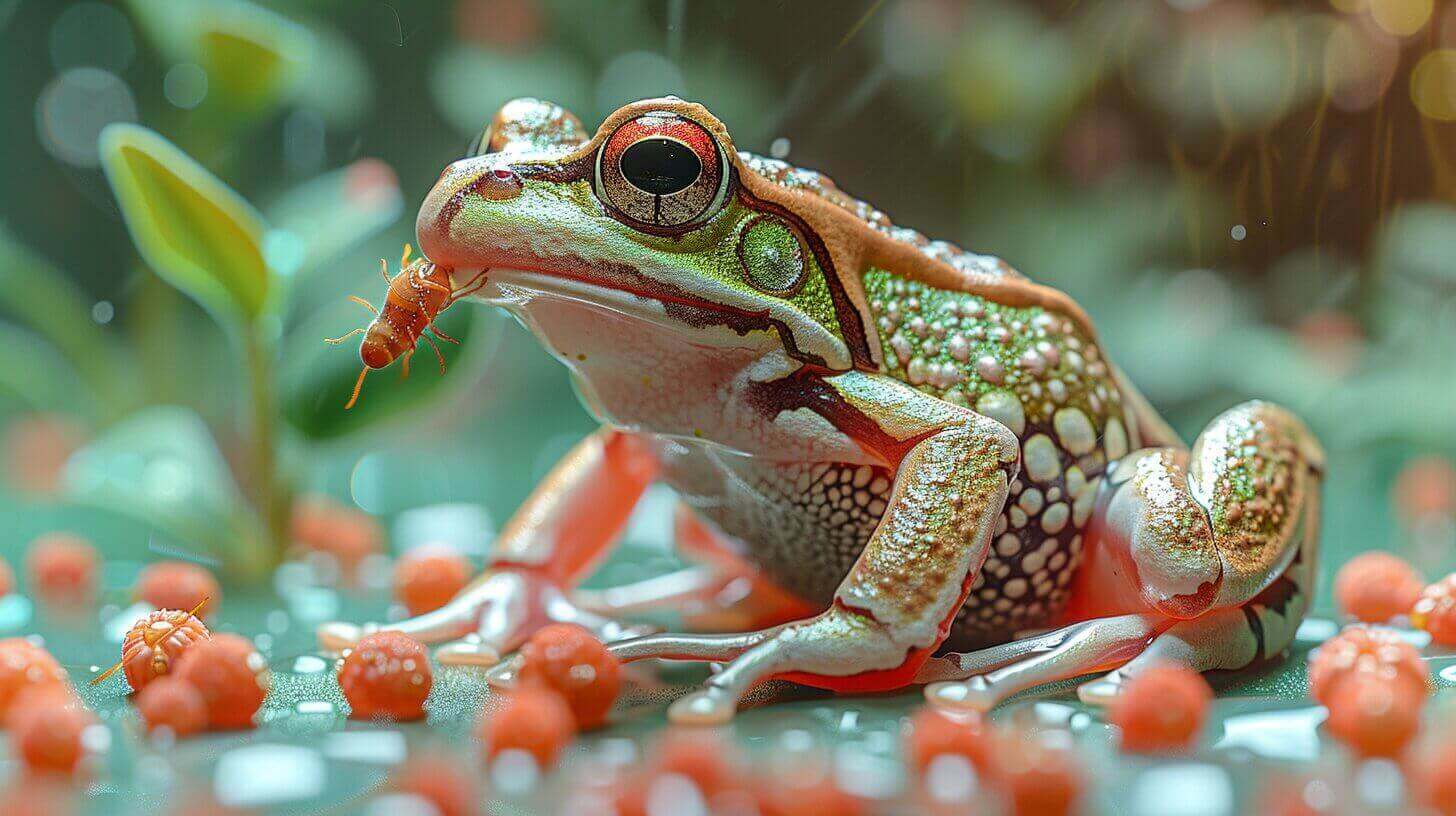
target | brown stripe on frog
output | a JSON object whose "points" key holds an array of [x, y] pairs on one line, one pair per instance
{"points": [[676, 302]]}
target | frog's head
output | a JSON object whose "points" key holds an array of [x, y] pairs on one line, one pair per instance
{"points": [[655, 218]]}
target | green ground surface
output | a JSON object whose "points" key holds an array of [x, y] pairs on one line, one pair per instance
{"points": [[306, 756]]}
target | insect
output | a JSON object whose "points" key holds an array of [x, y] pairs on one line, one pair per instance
{"points": [[417, 294], [149, 638]]}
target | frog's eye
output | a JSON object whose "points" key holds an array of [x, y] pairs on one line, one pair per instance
{"points": [[662, 172]]}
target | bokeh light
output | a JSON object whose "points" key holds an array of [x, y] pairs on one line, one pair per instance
{"points": [[73, 109], [92, 34], [1433, 85], [1359, 65], [1401, 17], [185, 85]]}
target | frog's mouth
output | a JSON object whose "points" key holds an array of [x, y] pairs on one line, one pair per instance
{"points": [[621, 289]]}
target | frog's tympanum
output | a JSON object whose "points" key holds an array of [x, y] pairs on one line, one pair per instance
{"points": [[898, 461]]}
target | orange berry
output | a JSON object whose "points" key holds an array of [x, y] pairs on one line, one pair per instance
{"points": [[1432, 775], [935, 732], [570, 661], [789, 798], [46, 728], [701, 759], [61, 566], [1292, 796], [153, 644], [1372, 717], [531, 719], [179, 585], [1035, 777], [1161, 709], [441, 782], [32, 794], [1426, 486], [231, 676], [24, 665], [321, 524], [1435, 611], [1376, 586], [174, 704], [386, 674], [1366, 650], [426, 581], [36, 450]]}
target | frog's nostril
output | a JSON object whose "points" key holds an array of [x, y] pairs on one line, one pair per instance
{"points": [[500, 184]]}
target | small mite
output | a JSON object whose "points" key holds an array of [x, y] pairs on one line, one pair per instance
{"points": [[416, 296]]}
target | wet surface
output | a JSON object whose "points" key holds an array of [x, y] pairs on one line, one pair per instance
{"points": [[307, 756]]}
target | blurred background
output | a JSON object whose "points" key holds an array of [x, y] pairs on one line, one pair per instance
{"points": [[1250, 198]]}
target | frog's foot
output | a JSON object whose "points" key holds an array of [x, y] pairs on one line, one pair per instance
{"points": [[491, 617], [1215, 550]]}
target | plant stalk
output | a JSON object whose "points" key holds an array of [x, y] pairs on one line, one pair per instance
{"points": [[269, 493]]}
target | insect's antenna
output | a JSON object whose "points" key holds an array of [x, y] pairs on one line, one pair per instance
{"points": [[358, 384], [384, 270], [404, 258], [366, 304], [337, 340], [152, 641], [438, 355]]}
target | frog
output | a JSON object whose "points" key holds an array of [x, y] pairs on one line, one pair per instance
{"points": [[896, 462]]}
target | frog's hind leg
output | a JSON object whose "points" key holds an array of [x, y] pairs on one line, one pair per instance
{"points": [[721, 592], [1213, 551], [899, 599]]}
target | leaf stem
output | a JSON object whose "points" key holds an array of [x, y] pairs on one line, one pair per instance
{"points": [[269, 494]]}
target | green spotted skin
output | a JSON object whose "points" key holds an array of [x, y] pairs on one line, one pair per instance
{"points": [[1040, 375]]}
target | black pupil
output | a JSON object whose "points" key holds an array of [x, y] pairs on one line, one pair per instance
{"points": [[660, 166]]}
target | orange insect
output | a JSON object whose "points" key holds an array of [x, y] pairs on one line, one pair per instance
{"points": [[416, 296]]}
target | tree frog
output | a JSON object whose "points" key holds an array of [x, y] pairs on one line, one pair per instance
{"points": [[898, 462]]}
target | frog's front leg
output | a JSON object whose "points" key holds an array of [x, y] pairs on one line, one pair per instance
{"points": [[1209, 555], [896, 604], [551, 542]]}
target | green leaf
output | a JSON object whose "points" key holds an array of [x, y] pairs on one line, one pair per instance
{"points": [[37, 295], [161, 466], [322, 218], [317, 378], [189, 226], [46, 380], [252, 56]]}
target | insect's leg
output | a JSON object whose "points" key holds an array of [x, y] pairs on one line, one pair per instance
{"points": [[337, 340], [443, 336], [384, 271], [438, 355], [474, 285], [429, 284], [404, 361], [366, 304]]}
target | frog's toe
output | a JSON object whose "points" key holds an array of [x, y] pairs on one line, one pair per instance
{"points": [[471, 650], [973, 694], [335, 636], [710, 705]]}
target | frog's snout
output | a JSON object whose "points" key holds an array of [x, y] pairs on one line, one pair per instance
{"points": [[458, 184]]}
